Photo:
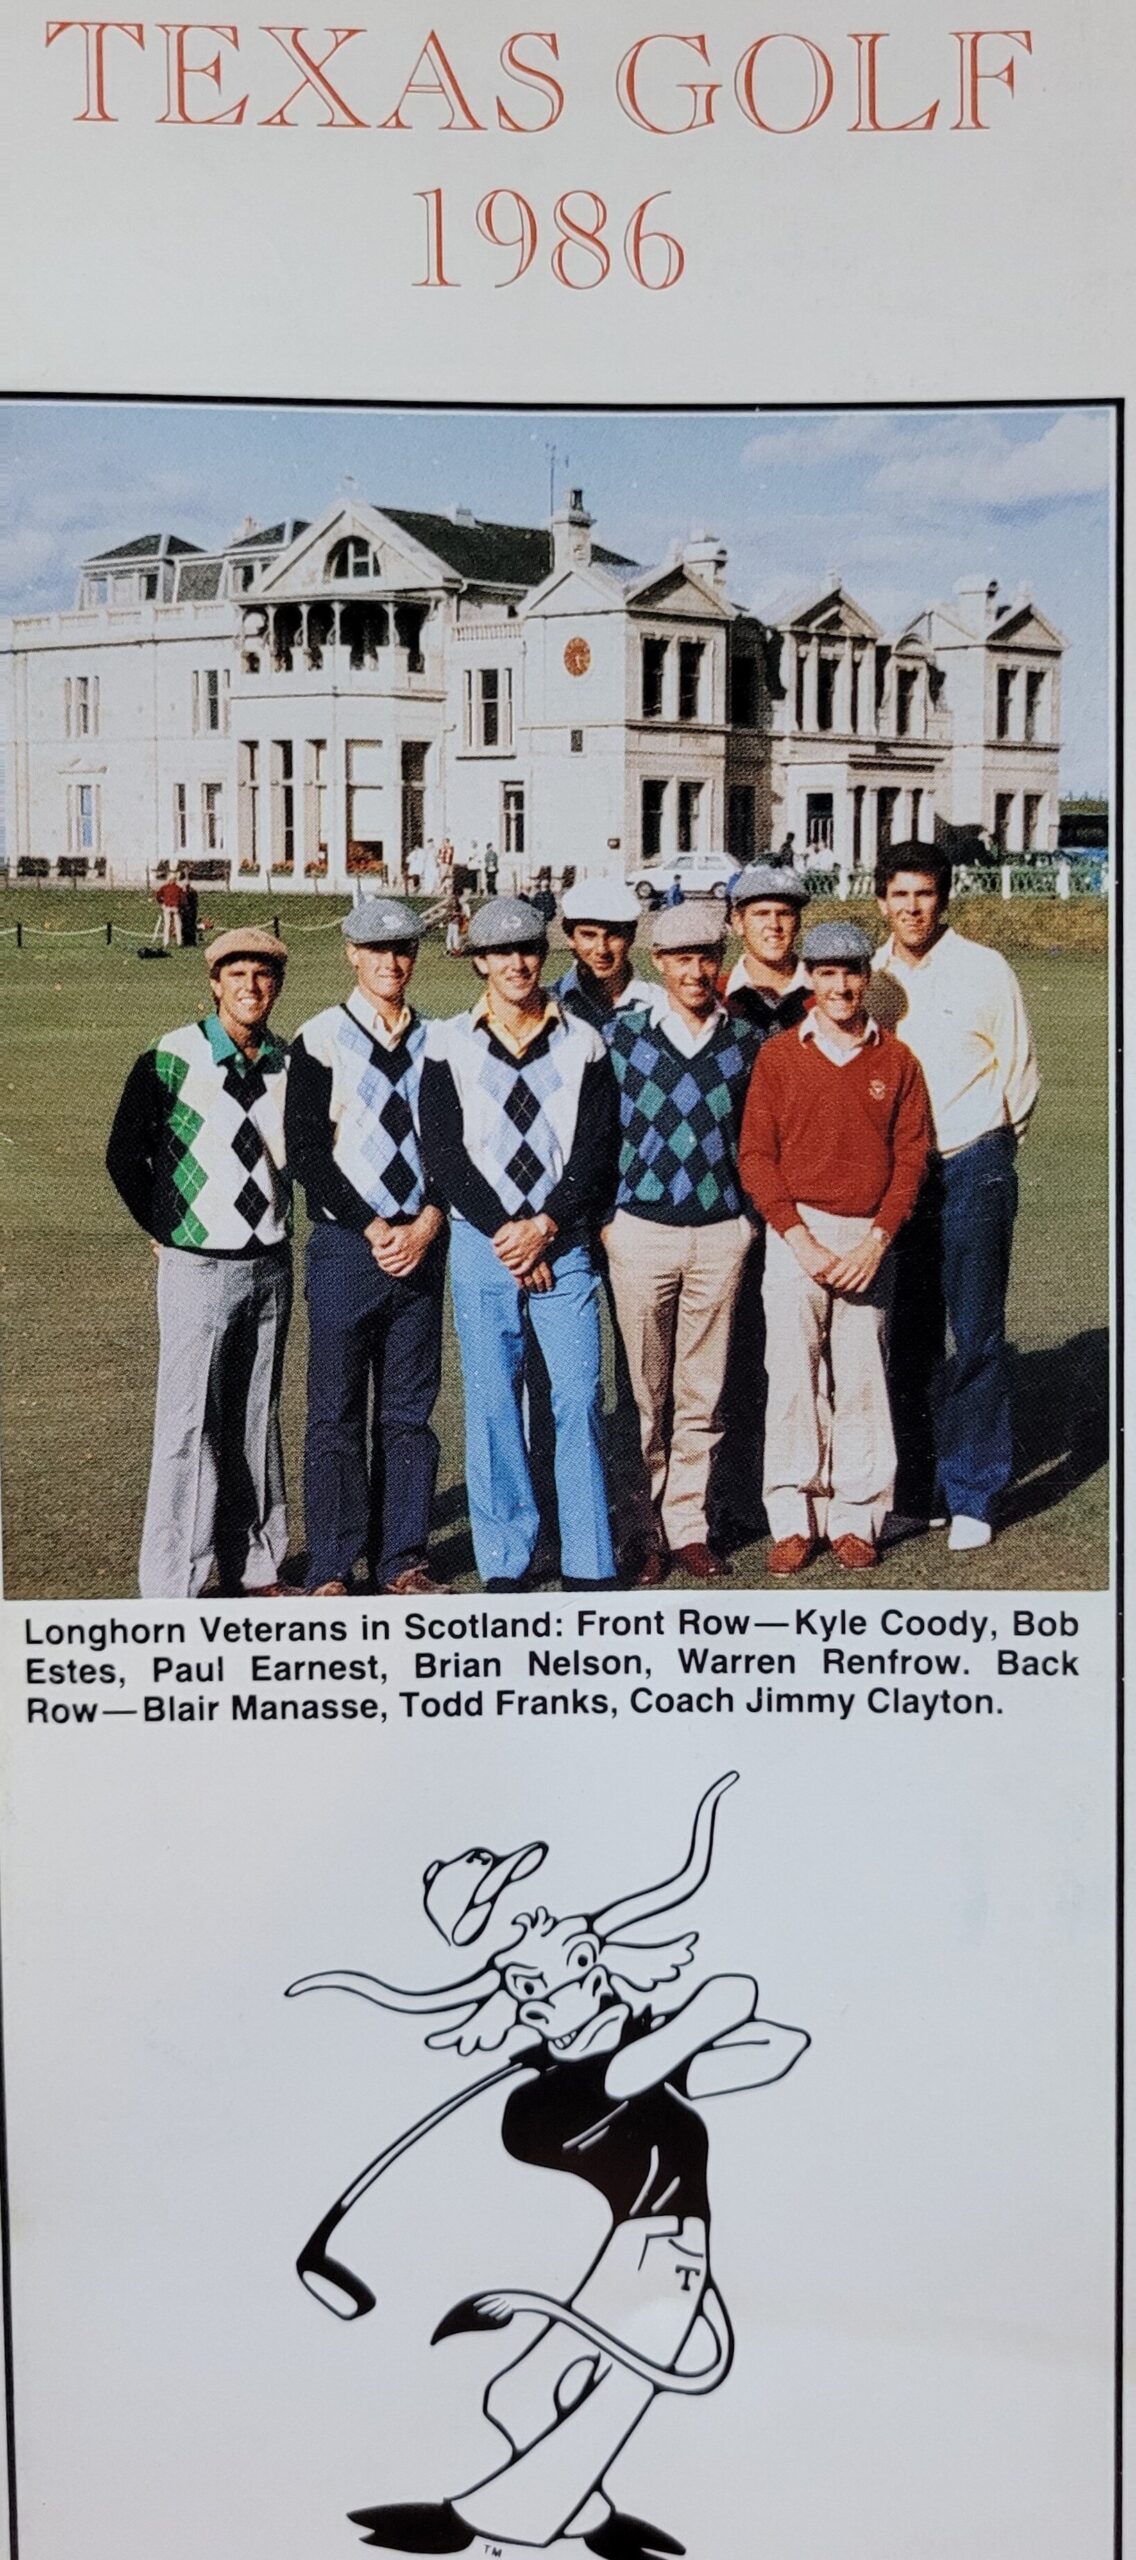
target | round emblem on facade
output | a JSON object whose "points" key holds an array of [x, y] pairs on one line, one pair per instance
{"points": [[577, 657]]}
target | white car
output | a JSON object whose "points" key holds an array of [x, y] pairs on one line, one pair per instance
{"points": [[699, 875]]}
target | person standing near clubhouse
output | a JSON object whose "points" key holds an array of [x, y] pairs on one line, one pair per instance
{"points": [[375, 1267], [678, 1239], [958, 1007], [518, 1131], [768, 985], [600, 918], [835, 1142], [197, 1155]]}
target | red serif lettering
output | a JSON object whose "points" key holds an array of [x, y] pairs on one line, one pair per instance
{"points": [[95, 32]]}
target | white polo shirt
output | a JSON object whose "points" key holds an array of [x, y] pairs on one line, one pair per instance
{"points": [[960, 1010]]}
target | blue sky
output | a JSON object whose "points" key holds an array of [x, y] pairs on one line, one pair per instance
{"points": [[900, 505]]}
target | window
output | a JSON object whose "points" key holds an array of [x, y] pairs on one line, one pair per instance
{"points": [[883, 657], [243, 574], [887, 802], [365, 836], [248, 803], [1005, 700], [652, 801], [739, 822], [826, 689], [690, 654], [1003, 812], [283, 805], [689, 802], [743, 693], [916, 805], [819, 822], [212, 818], [210, 700], [1035, 697], [906, 682], [181, 817], [83, 818], [575, 742], [1031, 820], [315, 804], [81, 706], [799, 688], [654, 675], [149, 585], [513, 817], [488, 720], [413, 797], [352, 558], [854, 697]]}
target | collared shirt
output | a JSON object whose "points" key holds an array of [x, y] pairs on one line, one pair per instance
{"points": [[839, 1051], [740, 982], [387, 1036], [960, 1010], [270, 1054], [578, 992], [678, 1031], [516, 1042]]}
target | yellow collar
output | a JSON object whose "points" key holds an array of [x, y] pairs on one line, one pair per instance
{"points": [[516, 1042]]}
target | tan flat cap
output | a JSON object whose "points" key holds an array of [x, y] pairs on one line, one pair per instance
{"points": [[245, 942], [698, 924]]}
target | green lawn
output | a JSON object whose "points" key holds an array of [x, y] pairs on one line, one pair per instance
{"points": [[77, 1307]]}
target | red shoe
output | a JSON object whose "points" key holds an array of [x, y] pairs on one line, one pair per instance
{"points": [[855, 1555], [789, 1555], [701, 1561], [654, 1569]]}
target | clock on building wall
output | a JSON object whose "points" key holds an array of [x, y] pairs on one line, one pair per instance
{"points": [[577, 657]]}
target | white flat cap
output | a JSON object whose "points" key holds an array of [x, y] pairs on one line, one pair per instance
{"points": [[601, 901]]}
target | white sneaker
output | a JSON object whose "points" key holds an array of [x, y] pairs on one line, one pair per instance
{"points": [[968, 1533]]}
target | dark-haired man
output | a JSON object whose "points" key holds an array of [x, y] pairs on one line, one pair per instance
{"points": [[197, 1155], [958, 1006], [600, 917]]}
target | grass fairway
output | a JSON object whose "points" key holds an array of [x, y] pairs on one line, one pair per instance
{"points": [[78, 1300]]}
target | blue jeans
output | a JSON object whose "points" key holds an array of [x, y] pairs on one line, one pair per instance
{"points": [[372, 1341], [493, 1317], [952, 1414]]}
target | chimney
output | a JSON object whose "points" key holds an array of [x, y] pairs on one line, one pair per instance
{"points": [[461, 515], [706, 556], [247, 525], [571, 530], [978, 602]]}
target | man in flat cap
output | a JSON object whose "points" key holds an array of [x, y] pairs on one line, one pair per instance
{"points": [[835, 1142], [375, 1267], [197, 1154], [518, 1132], [679, 1236], [768, 986], [599, 918]]}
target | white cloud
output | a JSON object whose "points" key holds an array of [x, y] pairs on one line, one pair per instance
{"points": [[978, 465]]}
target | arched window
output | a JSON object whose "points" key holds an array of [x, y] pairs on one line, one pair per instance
{"points": [[352, 558]]}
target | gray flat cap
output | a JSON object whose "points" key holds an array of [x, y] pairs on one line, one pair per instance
{"points": [[835, 942], [699, 924], [770, 880], [378, 922], [508, 924]]}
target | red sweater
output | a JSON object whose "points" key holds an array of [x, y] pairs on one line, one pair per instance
{"points": [[853, 1139]]}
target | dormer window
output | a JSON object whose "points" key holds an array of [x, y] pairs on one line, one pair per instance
{"points": [[352, 558]]}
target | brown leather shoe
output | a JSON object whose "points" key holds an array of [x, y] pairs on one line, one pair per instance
{"points": [[654, 1569], [789, 1555], [701, 1561], [327, 1591], [855, 1555], [415, 1582]]}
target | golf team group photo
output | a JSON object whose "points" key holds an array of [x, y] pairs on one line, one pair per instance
{"points": [[792, 1182]]}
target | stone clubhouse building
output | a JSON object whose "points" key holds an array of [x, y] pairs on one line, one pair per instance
{"points": [[376, 691]]}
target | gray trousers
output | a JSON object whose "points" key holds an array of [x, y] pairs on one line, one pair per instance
{"points": [[216, 1491]]}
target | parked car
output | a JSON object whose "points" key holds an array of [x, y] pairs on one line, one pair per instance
{"points": [[699, 875]]}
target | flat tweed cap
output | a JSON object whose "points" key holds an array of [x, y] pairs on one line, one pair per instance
{"points": [[835, 942], [245, 942], [601, 902], [699, 924], [508, 924], [376, 923], [770, 880]]}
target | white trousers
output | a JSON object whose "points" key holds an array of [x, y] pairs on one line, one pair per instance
{"points": [[567, 2408], [829, 1445]]}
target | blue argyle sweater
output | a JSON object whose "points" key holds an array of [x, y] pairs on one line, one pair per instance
{"points": [[351, 1119], [680, 1119]]}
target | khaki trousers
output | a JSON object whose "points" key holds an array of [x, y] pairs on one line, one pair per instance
{"points": [[675, 1289], [829, 1447]]}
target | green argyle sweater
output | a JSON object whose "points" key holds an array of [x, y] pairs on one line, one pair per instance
{"points": [[197, 1147]]}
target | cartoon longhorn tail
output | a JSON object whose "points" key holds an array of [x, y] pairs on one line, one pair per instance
{"points": [[495, 2310]]}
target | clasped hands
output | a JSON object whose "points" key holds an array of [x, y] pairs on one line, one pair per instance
{"points": [[522, 1245], [850, 1273], [399, 1250]]}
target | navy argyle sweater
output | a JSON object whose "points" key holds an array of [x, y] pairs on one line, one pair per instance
{"points": [[680, 1120]]}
